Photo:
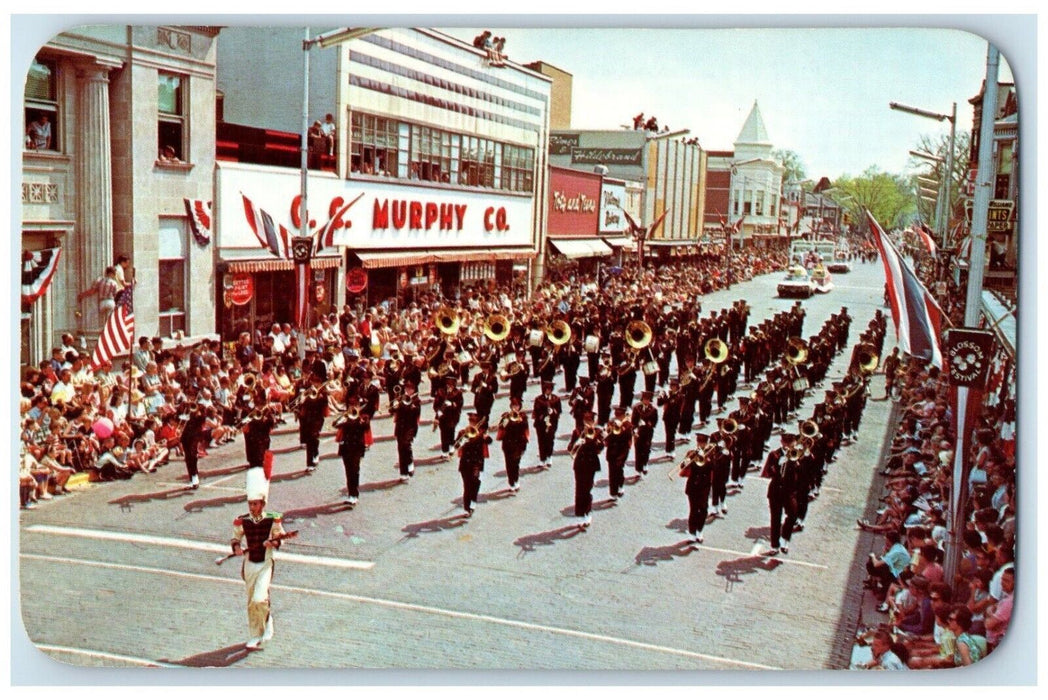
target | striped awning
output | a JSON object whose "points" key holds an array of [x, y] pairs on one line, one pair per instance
{"points": [[573, 248], [623, 242], [371, 260], [279, 264]]}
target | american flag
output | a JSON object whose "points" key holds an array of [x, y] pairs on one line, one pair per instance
{"points": [[118, 333], [917, 317], [925, 234], [272, 236]]}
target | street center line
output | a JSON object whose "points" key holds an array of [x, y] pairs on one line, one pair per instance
{"points": [[784, 560], [422, 609], [193, 544], [106, 655]]}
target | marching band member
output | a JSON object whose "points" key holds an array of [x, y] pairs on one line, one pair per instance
{"points": [[447, 409], [571, 358], [605, 382], [672, 402], [406, 411], [311, 408], [257, 428], [721, 460], [354, 437], [260, 530], [485, 386], [192, 433], [643, 418], [581, 400], [783, 471], [517, 375], [619, 439], [513, 433], [472, 444], [698, 470], [546, 415], [585, 446], [627, 372]]}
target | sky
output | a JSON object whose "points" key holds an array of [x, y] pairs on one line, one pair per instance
{"points": [[822, 92]]}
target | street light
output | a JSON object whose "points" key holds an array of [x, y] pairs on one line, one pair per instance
{"points": [[944, 207]]}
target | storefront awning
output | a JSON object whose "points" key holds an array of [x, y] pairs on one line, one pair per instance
{"points": [[620, 242], [279, 264], [580, 247], [667, 243], [372, 260]]}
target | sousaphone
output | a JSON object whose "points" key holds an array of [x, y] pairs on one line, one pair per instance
{"points": [[638, 335], [715, 350], [447, 320], [496, 328], [867, 359], [558, 332]]}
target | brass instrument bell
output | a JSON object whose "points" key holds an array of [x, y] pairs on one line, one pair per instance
{"points": [[715, 350], [638, 335], [496, 327], [558, 332], [809, 429], [867, 358], [729, 426], [795, 454], [796, 351], [447, 320]]}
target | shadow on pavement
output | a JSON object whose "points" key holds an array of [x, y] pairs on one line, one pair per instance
{"points": [[439, 525], [528, 543], [125, 502], [315, 511], [650, 556], [429, 461], [379, 485], [606, 504], [758, 534], [734, 569], [219, 658], [199, 505]]}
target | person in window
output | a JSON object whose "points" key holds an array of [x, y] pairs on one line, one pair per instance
{"points": [[317, 149], [39, 133], [168, 155]]}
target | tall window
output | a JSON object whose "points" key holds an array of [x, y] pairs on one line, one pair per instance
{"points": [[478, 162], [41, 107], [430, 154], [171, 115], [172, 276], [517, 167], [375, 146]]}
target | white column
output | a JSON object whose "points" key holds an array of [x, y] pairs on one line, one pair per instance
{"points": [[93, 237]]}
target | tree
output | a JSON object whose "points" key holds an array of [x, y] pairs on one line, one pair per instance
{"points": [[792, 162], [888, 197], [961, 154]]}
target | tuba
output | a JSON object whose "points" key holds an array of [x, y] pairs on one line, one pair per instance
{"points": [[796, 351], [638, 335], [715, 350], [447, 320], [867, 359], [558, 332], [729, 426], [809, 429], [249, 380], [496, 328]]}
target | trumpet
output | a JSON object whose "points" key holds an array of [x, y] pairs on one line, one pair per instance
{"points": [[796, 351], [616, 427], [447, 320], [558, 332], [496, 328], [638, 335], [515, 416], [512, 368], [795, 454], [715, 350], [258, 413]]}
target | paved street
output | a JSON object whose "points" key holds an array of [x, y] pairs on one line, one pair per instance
{"points": [[402, 581]]}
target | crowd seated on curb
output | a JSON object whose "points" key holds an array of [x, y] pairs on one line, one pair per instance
{"points": [[145, 400], [931, 622]]}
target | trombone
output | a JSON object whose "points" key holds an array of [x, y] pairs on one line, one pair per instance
{"points": [[472, 432]]}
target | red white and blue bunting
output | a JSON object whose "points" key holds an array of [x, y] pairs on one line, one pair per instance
{"points": [[38, 268], [199, 219]]}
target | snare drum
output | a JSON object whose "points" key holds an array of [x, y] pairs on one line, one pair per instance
{"points": [[464, 357], [800, 384], [592, 344], [535, 338], [649, 368]]}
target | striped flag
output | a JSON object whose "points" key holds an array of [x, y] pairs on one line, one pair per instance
{"points": [[38, 268], [302, 273], [118, 333], [925, 235], [916, 316], [271, 235], [324, 237], [199, 213]]}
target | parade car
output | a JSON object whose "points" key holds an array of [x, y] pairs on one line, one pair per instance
{"points": [[821, 280], [840, 264], [797, 283]]}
